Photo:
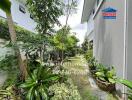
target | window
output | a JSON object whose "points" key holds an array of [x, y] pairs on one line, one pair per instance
{"points": [[31, 16], [22, 9]]}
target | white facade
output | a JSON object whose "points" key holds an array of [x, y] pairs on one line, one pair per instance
{"points": [[112, 37], [20, 18]]}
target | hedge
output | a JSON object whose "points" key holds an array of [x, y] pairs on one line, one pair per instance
{"points": [[4, 31]]}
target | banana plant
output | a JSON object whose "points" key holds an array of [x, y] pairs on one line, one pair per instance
{"points": [[37, 84]]}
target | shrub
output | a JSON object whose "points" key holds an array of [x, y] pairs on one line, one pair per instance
{"points": [[92, 63], [89, 55], [4, 31], [37, 84], [64, 91], [10, 65]]}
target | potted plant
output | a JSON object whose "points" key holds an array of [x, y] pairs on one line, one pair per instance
{"points": [[105, 78]]}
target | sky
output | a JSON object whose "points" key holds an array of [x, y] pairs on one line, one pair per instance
{"points": [[75, 22]]}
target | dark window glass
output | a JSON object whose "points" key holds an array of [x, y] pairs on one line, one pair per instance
{"points": [[31, 16], [22, 9]]}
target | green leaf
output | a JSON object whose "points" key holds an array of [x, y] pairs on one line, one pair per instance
{"points": [[27, 85], [99, 74], [125, 82], [5, 5], [52, 78], [43, 93], [111, 80], [30, 94]]}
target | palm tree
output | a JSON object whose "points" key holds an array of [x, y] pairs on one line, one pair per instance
{"points": [[5, 5]]}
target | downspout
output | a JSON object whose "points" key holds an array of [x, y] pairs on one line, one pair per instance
{"points": [[125, 47]]}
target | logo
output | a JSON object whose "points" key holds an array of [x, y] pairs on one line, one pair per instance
{"points": [[109, 13]]}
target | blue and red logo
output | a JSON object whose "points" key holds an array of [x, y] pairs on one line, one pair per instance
{"points": [[109, 13]]}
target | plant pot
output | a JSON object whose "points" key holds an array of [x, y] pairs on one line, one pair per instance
{"points": [[104, 85]]}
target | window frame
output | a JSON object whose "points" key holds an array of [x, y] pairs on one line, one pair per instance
{"points": [[22, 9], [31, 16]]}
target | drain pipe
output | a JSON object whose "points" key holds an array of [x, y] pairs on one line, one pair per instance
{"points": [[125, 47]]}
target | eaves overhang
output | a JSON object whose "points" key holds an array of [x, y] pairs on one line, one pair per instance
{"points": [[87, 9]]}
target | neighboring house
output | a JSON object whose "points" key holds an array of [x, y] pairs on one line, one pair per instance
{"points": [[20, 15], [22, 18], [112, 37]]}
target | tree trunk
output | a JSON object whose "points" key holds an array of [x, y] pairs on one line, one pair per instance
{"points": [[16, 49]]}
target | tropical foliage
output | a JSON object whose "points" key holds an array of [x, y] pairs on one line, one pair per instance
{"points": [[89, 55], [40, 83], [37, 84], [92, 63], [65, 42], [106, 74], [128, 84]]}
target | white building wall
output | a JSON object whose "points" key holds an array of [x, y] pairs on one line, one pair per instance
{"points": [[109, 37], [90, 25], [23, 20], [129, 41]]}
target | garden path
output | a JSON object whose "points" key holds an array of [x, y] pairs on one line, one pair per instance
{"points": [[78, 69]]}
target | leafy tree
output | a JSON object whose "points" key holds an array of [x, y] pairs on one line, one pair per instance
{"points": [[72, 46], [65, 42], [45, 13], [69, 8], [5, 5]]}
